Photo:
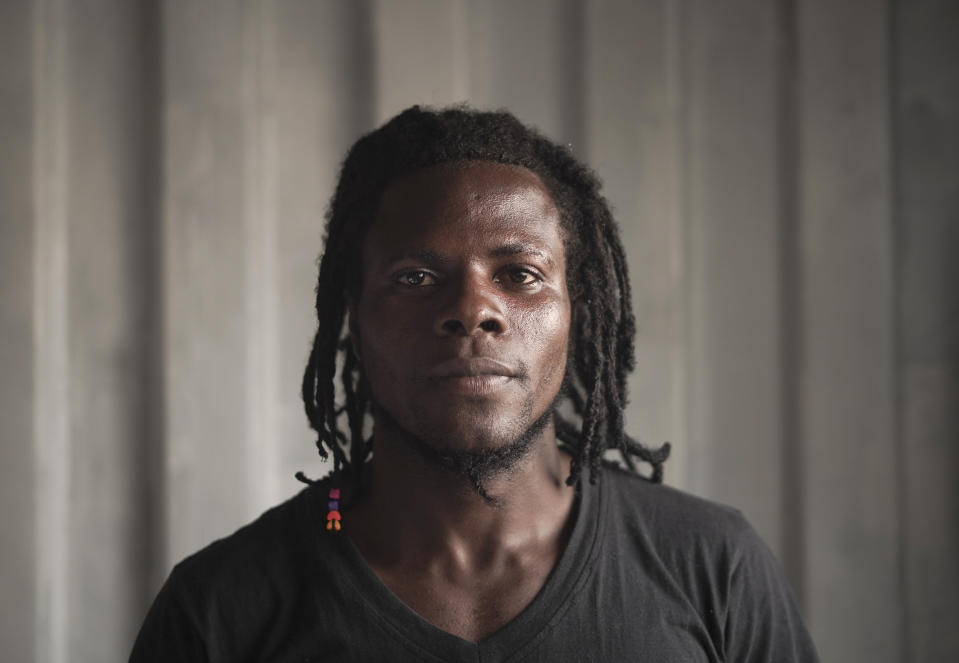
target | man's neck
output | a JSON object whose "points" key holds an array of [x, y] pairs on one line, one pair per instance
{"points": [[417, 514]]}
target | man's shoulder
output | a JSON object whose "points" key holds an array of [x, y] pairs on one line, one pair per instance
{"points": [[690, 551], [261, 550], [242, 593], [661, 499], [673, 519]]}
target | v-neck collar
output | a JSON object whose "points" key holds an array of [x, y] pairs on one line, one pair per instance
{"points": [[515, 639]]}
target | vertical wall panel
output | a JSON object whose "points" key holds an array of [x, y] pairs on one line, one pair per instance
{"points": [[421, 54], [632, 98], [516, 48], [107, 232], [18, 572], [926, 107], [204, 263], [847, 409], [51, 102], [732, 161], [258, 197]]}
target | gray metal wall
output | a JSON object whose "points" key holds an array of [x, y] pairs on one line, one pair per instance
{"points": [[787, 179]]}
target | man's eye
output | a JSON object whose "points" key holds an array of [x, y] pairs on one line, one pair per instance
{"points": [[521, 276], [415, 278]]}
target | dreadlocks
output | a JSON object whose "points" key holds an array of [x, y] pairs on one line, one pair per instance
{"points": [[601, 350]]}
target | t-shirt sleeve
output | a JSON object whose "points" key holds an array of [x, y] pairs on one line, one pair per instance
{"points": [[169, 632], [763, 623]]}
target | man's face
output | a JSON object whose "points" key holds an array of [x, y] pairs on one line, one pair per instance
{"points": [[463, 319]]}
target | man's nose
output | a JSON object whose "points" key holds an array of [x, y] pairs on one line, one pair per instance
{"points": [[472, 307]]}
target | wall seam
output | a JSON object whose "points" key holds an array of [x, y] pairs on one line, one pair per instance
{"points": [[674, 75], [153, 441], [365, 95], [895, 215], [792, 531], [260, 247], [574, 26]]}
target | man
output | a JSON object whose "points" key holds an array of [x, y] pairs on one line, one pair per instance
{"points": [[474, 299]]}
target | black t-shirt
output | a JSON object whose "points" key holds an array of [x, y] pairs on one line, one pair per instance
{"points": [[649, 574]]}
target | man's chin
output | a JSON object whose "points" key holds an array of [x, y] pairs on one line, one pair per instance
{"points": [[487, 456]]}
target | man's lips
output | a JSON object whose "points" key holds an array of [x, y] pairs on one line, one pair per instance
{"points": [[481, 367]]}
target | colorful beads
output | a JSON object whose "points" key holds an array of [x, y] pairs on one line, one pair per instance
{"points": [[333, 516]]}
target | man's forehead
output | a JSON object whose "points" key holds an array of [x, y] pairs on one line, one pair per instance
{"points": [[490, 208], [497, 187]]}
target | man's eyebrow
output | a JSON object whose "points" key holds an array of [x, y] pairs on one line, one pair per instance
{"points": [[517, 248], [420, 255], [433, 257]]}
